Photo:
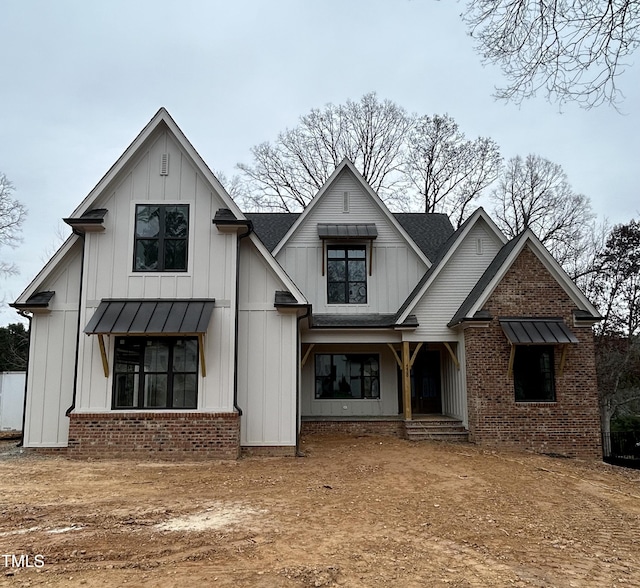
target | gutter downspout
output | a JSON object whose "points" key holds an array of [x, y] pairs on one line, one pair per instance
{"points": [[299, 370], [22, 313], [75, 367], [237, 348]]}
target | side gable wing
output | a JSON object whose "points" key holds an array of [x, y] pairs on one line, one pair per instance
{"points": [[498, 268]]}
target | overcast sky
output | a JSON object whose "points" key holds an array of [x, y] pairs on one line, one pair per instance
{"points": [[81, 79]]}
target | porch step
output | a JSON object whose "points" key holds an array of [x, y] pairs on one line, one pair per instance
{"points": [[436, 428]]}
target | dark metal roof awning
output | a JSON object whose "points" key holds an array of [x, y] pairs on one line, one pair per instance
{"points": [[347, 231], [151, 317], [536, 331]]}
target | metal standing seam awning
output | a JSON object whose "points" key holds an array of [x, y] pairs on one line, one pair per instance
{"points": [[348, 232], [161, 317], [537, 331]]}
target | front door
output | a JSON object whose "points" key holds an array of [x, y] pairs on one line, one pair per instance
{"points": [[425, 383]]}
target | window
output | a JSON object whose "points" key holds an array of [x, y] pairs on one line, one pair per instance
{"points": [[155, 373], [533, 374], [161, 236], [350, 376], [346, 274]]}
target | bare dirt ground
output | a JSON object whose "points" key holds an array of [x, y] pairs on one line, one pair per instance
{"points": [[355, 512]]}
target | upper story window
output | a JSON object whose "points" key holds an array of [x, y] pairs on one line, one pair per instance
{"points": [[347, 274], [161, 237], [533, 374]]}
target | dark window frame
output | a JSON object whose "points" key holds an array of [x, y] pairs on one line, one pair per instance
{"points": [[125, 345], [322, 382], [162, 239], [534, 373], [346, 283]]}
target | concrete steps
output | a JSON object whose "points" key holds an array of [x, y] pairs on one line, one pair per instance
{"points": [[436, 428]]}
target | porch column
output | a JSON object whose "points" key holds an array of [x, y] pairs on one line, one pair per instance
{"points": [[406, 380]]}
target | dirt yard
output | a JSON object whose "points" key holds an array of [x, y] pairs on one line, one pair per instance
{"points": [[354, 512]]}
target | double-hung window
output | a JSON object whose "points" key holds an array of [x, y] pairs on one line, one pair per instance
{"points": [[533, 373], [155, 373], [347, 274], [161, 237]]}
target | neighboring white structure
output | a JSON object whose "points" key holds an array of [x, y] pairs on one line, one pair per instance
{"points": [[171, 321], [11, 400]]}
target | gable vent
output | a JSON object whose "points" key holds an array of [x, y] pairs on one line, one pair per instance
{"points": [[164, 164], [345, 202]]}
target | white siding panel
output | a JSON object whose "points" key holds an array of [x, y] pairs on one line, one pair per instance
{"points": [[387, 405], [52, 358], [267, 356], [396, 267], [452, 285]]}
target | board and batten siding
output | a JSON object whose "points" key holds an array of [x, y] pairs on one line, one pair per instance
{"points": [[451, 286], [267, 356], [211, 269], [52, 357], [386, 405], [453, 381], [396, 266]]}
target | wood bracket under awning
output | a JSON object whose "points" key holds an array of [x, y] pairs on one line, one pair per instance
{"points": [[105, 359]]}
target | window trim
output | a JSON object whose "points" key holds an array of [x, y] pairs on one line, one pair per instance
{"points": [[140, 375], [347, 247], [362, 377], [134, 239], [540, 375]]}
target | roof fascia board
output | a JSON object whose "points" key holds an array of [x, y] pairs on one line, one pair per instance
{"points": [[161, 117], [346, 164], [479, 213], [48, 269], [550, 263]]}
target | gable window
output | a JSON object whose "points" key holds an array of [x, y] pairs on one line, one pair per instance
{"points": [[161, 236], [533, 373], [348, 376], [346, 274], [155, 373]]}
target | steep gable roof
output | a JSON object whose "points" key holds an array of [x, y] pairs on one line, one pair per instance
{"points": [[345, 164], [501, 264], [162, 118], [444, 254]]}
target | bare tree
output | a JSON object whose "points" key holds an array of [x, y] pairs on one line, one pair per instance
{"points": [[571, 50], [12, 215], [535, 193], [448, 171], [618, 335], [370, 133]]}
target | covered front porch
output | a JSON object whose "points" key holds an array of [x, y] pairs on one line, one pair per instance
{"points": [[402, 388]]}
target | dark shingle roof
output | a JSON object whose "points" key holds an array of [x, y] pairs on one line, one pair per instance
{"points": [[271, 226], [37, 300], [429, 231], [357, 321]]}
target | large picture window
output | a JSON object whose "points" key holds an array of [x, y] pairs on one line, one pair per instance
{"points": [[155, 372], [350, 376], [533, 373], [161, 237], [347, 274]]}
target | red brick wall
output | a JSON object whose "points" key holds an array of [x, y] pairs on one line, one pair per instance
{"points": [[569, 426], [391, 427], [162, 434]]}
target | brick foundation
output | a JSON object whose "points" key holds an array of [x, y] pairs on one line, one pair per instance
{"points": [[162, 434], [354, 427], [269, 451], [571, 425]]}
